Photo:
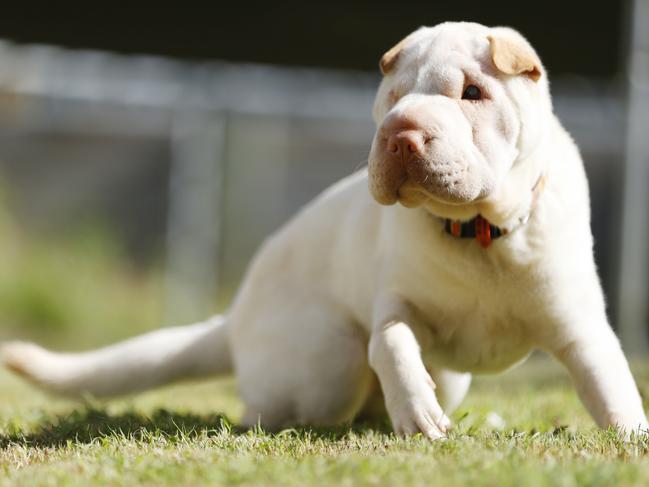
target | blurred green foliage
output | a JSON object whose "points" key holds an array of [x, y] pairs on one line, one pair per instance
{"points": [[73, 289]]}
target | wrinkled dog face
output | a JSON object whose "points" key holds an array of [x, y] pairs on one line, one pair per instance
{"points": [[458, 105]]}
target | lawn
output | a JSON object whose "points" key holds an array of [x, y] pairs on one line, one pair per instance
{"points": [[185, 435]]}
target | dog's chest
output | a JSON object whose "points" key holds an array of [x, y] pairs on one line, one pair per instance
{"points": [[475, 341], [478, 322]]}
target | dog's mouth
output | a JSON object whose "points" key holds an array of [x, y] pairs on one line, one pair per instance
{"points": [[412, 195]]}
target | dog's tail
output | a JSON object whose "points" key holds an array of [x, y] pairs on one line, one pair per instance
{"points": [[139, 363]]}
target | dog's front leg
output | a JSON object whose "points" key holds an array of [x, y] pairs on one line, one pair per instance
{"points": [[602, 378], [409, 391]]}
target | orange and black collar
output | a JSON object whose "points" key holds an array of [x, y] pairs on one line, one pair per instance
{"points": [[478, 228], [481, 229]]}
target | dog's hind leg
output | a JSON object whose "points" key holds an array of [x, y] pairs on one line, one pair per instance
{"points": [[307, 364]]}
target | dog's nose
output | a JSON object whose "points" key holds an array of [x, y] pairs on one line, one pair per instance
{"points": [[406, 144]]}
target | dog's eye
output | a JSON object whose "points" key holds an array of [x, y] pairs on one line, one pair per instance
{"points": [[472, 92]]}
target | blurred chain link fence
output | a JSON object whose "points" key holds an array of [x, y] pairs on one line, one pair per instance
{"points": [[206, 159]]}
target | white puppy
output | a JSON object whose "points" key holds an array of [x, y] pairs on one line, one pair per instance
{"points": [[353, 289]]}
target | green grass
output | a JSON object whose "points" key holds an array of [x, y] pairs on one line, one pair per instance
{"points": [[184, 435]]}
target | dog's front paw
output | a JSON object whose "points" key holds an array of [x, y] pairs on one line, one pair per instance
{"points": [[629, 425], [418, 412]]}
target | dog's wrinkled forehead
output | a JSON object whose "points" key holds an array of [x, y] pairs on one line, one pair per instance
{"points": [[445, 58], [439, 56]]}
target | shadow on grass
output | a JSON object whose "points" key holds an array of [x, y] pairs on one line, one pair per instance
{"points": [[86, 425]]}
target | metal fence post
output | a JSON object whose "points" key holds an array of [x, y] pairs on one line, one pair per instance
{"points": [[194, 218], [633, 315]]}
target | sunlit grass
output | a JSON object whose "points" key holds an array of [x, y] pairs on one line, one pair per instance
{"points": [[184, 435]]}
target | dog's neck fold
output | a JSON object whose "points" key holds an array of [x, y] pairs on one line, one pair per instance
{"points": [[483, 230], [514, 200]]}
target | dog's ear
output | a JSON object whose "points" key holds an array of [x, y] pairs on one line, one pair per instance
{"points": [[389, 59], [513, 55]]}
